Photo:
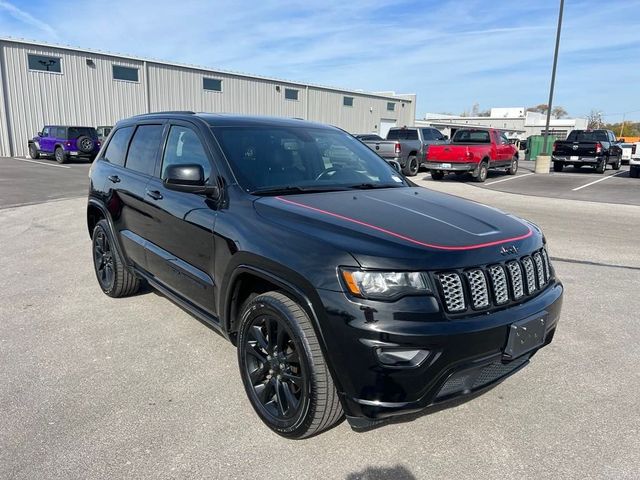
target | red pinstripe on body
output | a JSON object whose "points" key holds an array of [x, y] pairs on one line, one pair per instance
{"points": [[404, 237]]}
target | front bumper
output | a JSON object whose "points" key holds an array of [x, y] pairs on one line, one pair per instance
{"points": [[450, 167], [465, 354], [577, 159]]}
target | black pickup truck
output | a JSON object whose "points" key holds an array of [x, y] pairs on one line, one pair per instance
{"points": [[595, 148]]}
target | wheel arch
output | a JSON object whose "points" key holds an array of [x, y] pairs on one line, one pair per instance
{"points": [[96, 211], [233, 302]]}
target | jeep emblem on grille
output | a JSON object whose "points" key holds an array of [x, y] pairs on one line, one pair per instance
{"points": [[512, 250]]}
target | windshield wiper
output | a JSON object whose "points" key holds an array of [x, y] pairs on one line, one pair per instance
{"points": [[293, 189], [371, 186]]}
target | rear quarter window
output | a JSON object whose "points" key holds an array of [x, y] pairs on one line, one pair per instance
{"points": [[117, 148]]}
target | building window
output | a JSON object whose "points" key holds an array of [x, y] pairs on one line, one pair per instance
{"points": [[347, 101], [127, 74], [43, 63], [291, 94], [213, 84], [391, 106]]}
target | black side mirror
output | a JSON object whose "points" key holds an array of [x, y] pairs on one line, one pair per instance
{"points": [[445, 137], [189, 178], [40, 134]]}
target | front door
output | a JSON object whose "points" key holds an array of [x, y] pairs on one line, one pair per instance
{"points": [[46, 142], [180, 245]]}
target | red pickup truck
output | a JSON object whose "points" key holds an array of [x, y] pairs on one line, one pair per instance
{"points": [[475, 151]]}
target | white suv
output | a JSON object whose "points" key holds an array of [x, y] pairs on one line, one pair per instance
{"points": [[634, 163]]}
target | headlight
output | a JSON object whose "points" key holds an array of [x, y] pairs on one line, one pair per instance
{"points": [[378, 285]]}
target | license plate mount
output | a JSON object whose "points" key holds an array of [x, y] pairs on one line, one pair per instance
{"points": [[525, 336], [445, 165], [574, 157]]}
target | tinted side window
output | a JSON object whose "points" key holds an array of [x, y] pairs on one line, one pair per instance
{"points": [[184, 147], [58, 132], [427, 134], [143, 149], [45, 132], [117, 148]]}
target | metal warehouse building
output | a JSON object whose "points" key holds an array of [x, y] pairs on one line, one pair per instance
{"points": [[49, 84]]}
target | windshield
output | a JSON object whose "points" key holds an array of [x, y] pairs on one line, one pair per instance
{"points": [[264, 157], [587, 136], [471, 136], [75, 132]]}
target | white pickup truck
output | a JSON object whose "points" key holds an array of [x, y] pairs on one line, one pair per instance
{"points": [[634, 162]]}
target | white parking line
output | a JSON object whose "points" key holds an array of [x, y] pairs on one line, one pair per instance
{"points": [[40, 163], [510, 178], [597, 181]]}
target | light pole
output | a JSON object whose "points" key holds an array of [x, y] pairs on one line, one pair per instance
{"points": [[553, 80]]}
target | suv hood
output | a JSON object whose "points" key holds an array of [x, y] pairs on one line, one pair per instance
{"points": [[398, 227]]}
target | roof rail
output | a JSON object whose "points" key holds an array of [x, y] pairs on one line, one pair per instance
{"points": [[186, 112]]}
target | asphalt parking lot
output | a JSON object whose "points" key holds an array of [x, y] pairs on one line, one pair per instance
{"points": [[93, 387], [615, 187]]}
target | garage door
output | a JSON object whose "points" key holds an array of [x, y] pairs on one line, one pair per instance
{"points": [[385, 125]]}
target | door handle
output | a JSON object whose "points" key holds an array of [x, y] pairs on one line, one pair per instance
{"points": [[114, 178], [155, 194]]}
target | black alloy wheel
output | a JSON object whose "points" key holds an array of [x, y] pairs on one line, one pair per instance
{"points": [[103, 260], [272, 362], [114, 278], [283, 368]]}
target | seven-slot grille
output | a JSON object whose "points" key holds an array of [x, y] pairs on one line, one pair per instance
{"points": [[494, 285]]}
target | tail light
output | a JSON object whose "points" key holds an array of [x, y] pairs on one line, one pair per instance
{"points": [[398, 148], [468, 155], [598, 147], [633, 149], [555, 146]]}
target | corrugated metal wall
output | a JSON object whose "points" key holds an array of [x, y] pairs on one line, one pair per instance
{"points": [[85, 93]]}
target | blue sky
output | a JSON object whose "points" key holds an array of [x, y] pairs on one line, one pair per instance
{"points": [[452, 53]]}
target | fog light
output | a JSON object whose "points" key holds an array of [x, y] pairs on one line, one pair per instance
{"points": [[401, 358]]}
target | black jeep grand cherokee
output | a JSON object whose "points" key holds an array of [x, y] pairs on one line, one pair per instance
{"points": [[346, 289]]}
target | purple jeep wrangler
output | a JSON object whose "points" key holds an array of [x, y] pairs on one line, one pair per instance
{"points": [[64, 143]]}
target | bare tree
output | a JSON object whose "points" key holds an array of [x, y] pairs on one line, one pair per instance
{"points": [[558, 112], [594, 119], [541, 108]]}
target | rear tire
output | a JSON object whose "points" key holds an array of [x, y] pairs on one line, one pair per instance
{"points": [[33, 152], [602, 166], [634, 172], [283, 369], [617, 165], [558, 166], [61, 157], [412, 167], [437, 174], [113, 276], [483, 171]]}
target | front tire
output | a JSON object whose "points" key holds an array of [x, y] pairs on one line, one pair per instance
{"points": [[61, 157], [33, 152], [283, 369], [113, 276], [412, 167], [513, 168]]}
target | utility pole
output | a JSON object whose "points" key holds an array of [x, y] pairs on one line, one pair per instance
{"points": [[553, 80], [622, 127]]}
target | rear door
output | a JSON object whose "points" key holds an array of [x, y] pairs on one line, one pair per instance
{"points": [[132, 154], [180, 242]]}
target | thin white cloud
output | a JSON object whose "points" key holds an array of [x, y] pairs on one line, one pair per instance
{"points": [[27, 18]]}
